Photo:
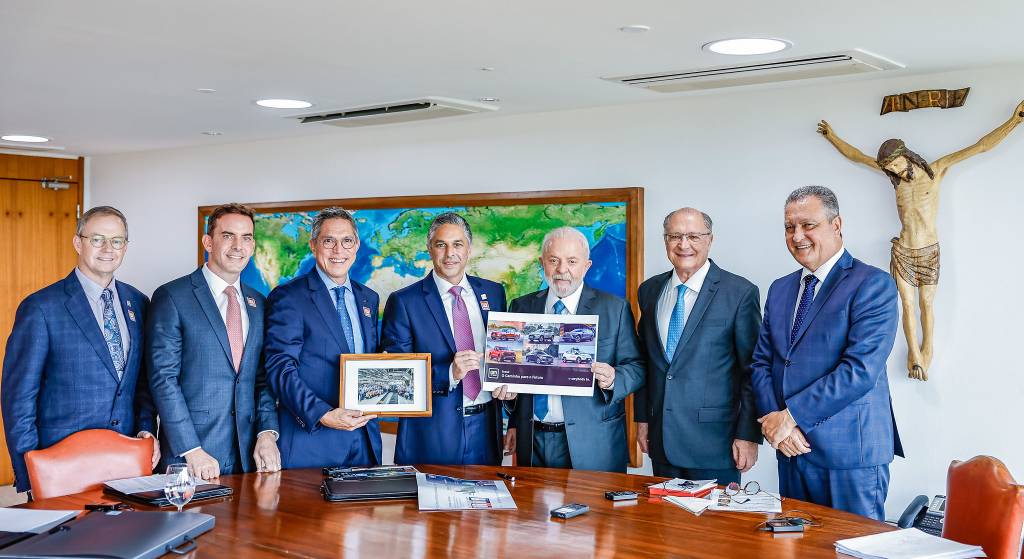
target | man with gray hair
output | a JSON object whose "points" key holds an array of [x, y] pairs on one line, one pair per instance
{"points": [[445, 314], [583, 432], [819, 370], [74, 356], [310, 321], [698, 326]]}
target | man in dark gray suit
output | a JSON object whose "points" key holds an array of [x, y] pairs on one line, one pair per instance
{"points": [[698, 326], [204, 347], [582, 432]]}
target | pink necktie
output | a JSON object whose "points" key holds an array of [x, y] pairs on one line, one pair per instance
{"points": [[463, 329], [234, 324]]}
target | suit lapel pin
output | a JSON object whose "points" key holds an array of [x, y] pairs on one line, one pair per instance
{"points": [[128, 303], [251, 302], [366, 312], [485, 305], [131, 314], [483, 296]]}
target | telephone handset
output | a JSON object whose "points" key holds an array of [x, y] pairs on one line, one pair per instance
{"points": [[925, 516]]}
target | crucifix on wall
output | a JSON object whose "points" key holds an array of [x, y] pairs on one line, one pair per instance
{"points": [[915, 252]]}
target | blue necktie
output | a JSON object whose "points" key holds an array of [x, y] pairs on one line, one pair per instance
{"points": [[540, 401], [112, 333], [346, 322], [805, 304], [676, 323]]}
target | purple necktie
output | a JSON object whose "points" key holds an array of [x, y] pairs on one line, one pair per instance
{"points": [[464, 340]]}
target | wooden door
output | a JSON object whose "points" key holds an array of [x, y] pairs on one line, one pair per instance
{"points": [[36, 228]]}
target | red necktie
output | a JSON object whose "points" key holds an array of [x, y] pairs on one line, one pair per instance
{"points": [[234, 324]]}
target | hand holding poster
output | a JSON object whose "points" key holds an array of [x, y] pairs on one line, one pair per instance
{"points": [[540, 353]]}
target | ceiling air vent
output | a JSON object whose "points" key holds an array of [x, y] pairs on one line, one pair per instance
{"points": [[837, 64], [401, 111]]}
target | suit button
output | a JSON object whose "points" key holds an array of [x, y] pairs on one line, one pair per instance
{"points": [[669, 377], [458, 408], [118, 391], [237, 381], [232, 412], [788, 362], [115, 423]]}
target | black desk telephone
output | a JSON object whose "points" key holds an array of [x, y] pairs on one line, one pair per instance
{"points": [[923, 516]]}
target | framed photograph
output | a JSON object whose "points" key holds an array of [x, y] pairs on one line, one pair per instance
{"points": [[386, 384]]}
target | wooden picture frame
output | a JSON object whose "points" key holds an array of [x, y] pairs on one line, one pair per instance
{"points": [[632, 198], [407, 368]]}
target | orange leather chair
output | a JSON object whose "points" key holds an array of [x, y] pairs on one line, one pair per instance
{"points": [[984, 506], [86, 459]]}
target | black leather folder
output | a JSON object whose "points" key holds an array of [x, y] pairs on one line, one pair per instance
{"points": [[369, 488], [157, 498], [118, 535]]}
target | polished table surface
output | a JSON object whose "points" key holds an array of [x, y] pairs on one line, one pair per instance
{"points": [[283, 514]]}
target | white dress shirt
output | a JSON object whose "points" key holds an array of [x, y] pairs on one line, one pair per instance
{"points": [[667, 300], [821, 273], [571, 302], [476, 320], [217, 287]]}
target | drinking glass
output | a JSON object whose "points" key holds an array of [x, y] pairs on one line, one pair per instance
{"points": [[180, 485]]}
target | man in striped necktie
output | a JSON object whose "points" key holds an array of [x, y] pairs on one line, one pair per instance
{"points": [[445, 314]]}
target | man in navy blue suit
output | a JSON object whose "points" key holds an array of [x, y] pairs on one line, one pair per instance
{"points": [[74, 357], [310, 322], [819, 369], [204, 352], [445, 314]]}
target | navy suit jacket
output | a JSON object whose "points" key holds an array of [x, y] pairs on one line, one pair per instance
{"points": [[595, 426], [833, 378], [415, 322], [700, 401], [302, 346], [58, 377], [201, 399]]}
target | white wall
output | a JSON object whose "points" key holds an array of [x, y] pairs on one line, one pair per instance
{"points": [[735, 156]]}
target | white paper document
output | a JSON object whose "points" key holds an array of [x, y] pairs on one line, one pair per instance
{"points": [[761, 502], [696, 505], [32, 520], [436, 492], [139, 484], [906, 544]]}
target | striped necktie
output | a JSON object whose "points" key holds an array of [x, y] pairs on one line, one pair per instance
{"points": [[810, 281]]}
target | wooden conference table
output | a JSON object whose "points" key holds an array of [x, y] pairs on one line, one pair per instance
{"points": [[283, 514]]}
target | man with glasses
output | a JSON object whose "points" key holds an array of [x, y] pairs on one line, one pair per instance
{"points": [[310, 322], [819, 368], [74, 356], [445, 314], [698, 326], [204, 355]]}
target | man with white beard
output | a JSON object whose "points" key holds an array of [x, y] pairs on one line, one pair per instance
{"points": [[582, 432]]}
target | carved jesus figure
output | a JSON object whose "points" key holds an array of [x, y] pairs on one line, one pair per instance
{"points": [[915, 252]]}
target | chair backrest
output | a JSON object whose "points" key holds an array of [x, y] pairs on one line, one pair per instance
{"points": [[984, 506], [86, 459]]}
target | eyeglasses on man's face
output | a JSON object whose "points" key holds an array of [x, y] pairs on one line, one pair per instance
{"points": [[331, 242], [97, 241], [693, 238]]}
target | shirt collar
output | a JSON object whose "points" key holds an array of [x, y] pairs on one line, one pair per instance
{"points": [[822, 272], [93, 290], [443, 285], [217, 283], [331, 284], [571, 301], [695, 282]]}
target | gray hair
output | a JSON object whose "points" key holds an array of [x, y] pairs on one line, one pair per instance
{"points": [[449, 218], [565, 233], [100, 211], [707, 218], [823, 193], [333, 212]]}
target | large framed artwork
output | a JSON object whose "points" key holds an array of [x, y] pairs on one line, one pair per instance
{"points": [[507, 232]]}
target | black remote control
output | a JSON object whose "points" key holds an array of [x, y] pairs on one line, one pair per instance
{"points": [[620, 495]]}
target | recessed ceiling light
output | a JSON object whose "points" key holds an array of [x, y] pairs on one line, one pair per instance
{"points": [[206, 90], [284, 104], [747, 46], [22, 138], [212, 133], [490, 99], [487, 69], [635, 28]]}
